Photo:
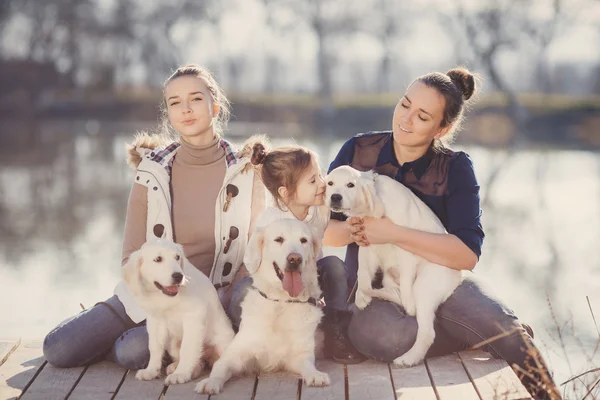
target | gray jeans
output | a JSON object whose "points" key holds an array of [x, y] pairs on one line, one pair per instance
{"points": [[383, 331], [103, 332], [106, 332]]}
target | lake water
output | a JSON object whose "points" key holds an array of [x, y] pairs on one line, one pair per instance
{"points": [[62, 209]]}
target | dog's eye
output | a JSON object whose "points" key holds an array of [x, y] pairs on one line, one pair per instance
{"points": [[303, 240], [279, 239], [177, 257], [330, 183], [158, 259], [350, 185]]}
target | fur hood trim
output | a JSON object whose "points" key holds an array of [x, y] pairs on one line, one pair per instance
{"points": [[143, 143]]}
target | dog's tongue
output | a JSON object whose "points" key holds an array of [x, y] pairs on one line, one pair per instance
{"points": [[292, 283], [171, 289]]}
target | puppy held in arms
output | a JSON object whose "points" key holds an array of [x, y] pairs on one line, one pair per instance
{"points": [[414, 283], [280, 312], [185, 317]]}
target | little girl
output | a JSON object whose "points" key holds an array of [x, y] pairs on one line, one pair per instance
{"points": [[293, 177]]}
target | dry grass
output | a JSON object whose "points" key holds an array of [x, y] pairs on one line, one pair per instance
{"points": [[580, 386]]}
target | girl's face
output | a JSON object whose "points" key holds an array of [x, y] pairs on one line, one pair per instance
{"points": [[190, 107], [311, 187], [418, 115]]}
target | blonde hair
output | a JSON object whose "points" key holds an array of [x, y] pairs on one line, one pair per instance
{"points": [[216, 92], [279, 167]]}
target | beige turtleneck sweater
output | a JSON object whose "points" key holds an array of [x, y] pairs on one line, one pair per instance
{"points": [[196, 179]]}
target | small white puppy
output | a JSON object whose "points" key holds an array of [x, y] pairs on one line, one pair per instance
{"points": [[416, 284], [279, 313], [185, 317]]}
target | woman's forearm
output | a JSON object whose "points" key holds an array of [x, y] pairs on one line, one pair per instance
{"points": [[440, 248], [134, 235], [337, 234]]}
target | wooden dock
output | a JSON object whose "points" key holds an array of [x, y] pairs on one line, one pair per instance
{"points": [[24, 374]]}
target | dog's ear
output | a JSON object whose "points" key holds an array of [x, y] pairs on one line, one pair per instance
{"points": [[253, 255], [370, 198], [131, 270], [316, 243], [182, 259]]}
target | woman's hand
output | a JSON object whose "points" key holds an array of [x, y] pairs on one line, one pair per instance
{"points": [[356, 230], [378, 230]]}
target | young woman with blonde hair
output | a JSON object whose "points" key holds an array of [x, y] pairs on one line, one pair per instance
{"points": [[190, 187]]}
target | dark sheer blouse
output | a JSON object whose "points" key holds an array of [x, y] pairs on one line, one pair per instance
{"points": [[444, 180]]}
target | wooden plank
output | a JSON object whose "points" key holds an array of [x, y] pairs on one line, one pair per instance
{"points": [[99, 382], [53, 383], [336, 390], [20, 368], [369, 381], [133, 389], [7, 347], [186, 391], [279, 385], [493, 378], [450, 378], [234, 389], [412, 383]]}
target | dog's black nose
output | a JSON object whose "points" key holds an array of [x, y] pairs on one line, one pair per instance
{"points": [[336, 197], [293, 261], [177, 277]]}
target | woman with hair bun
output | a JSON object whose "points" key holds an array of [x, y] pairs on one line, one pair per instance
{"points": [[416, 153]]}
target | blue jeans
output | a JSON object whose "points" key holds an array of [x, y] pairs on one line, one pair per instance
{"points": [[383, 331], [333, 279], [103, 332], [106, 332]]}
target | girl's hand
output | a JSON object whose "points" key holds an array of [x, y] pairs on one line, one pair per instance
{"points": [[356, 231], [378, 230]]}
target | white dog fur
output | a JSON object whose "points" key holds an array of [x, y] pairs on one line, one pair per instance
{"points": [[416, 284], [184, 318], [277, 332]]}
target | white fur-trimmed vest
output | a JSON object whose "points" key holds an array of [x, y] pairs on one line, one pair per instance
{"points": [[233, 209]]}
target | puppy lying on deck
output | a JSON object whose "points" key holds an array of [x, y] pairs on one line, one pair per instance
{"points": [[185, 316], [279, 313], [416, 284]]}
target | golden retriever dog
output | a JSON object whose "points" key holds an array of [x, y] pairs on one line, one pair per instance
{"points": [[280, 312], [184, 314], [414, 283]]}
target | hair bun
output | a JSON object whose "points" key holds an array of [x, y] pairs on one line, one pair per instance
{"points": [[464, 81], [259, 152]]}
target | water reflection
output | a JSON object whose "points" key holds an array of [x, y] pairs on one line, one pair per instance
{"points": [[62, 209]]}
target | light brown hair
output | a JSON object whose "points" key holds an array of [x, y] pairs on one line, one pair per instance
{"points": [[216, 92], [279, 167]]}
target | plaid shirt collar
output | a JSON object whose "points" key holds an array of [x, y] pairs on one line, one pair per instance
{"points": [[166, 156]]}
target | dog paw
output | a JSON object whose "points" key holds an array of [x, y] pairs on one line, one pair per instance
{"points": [[317, 378], [178, 377], [147, 374], [209, 386], [408, 360], [172, 367], [410, 307], [362, 300]]}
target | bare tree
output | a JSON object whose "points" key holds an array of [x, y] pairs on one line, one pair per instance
{"points": [[327, 20], [388, 23]]}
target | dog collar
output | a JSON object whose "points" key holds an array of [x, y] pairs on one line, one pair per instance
{"points": [[311, 300]]}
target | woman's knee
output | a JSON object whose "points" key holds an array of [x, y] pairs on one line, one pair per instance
{"points": [[60, 352], [382, 331], [131, 349]]}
